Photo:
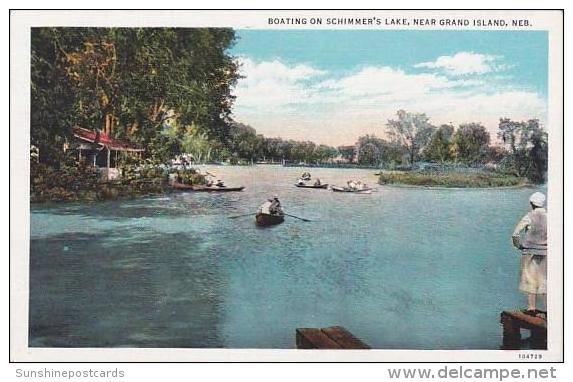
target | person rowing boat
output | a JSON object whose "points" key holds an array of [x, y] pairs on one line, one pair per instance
{"points": [[270, 212]]}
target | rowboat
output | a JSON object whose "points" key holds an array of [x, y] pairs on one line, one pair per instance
{"points": [[346, 189], [265, 220], [203, 188], [311, 185]]}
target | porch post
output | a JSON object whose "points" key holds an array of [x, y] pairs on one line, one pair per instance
{"points": [[108, 161]]}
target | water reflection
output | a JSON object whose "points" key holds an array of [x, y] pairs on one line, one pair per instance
{"points": [[101, 290]]}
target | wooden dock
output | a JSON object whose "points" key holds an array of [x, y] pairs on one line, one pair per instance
{"points": [[514, 321], [334, 337]]}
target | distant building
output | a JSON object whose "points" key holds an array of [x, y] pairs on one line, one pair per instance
{"points": [[348, 154], [103, 151]]}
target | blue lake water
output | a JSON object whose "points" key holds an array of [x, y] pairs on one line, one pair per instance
{"points": [[400, 268]]}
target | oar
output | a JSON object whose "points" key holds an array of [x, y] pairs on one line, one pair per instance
{"points": [[240, 216], [292, 216]]}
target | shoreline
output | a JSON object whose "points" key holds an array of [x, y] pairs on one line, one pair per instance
{"points": [[97, 200], [404, 185], [405, 180]]}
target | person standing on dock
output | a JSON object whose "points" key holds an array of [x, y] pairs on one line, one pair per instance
{"points": [[530, 236]]}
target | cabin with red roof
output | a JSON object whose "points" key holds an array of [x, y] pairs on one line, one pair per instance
{"points": [[103, 151]]}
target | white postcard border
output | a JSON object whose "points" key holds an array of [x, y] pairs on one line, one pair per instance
{"points": [[21, 21]]}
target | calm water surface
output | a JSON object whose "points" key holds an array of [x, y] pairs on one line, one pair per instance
{"points": [[400, 268]]}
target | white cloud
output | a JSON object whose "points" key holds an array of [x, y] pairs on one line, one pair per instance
{"points": [[302, 102], [273, 83], [385, 80], [463, 63]]}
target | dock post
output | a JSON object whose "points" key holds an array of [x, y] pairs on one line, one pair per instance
{"points": [[511, 332], [514, 321], [538, 339]]}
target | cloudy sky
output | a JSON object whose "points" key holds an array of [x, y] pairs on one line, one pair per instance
{"points": [[333, 86]]}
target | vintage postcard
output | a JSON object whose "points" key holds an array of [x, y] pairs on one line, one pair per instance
{"points": [[249, 185]]}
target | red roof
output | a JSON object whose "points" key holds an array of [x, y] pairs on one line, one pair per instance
{"points": [[103, 139]]}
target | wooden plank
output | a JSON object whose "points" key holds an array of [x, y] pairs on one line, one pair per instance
{"points": [[344, 338], [514, 321], [311, 338], [526, 321]]}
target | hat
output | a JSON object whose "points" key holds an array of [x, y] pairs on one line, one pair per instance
{"points": [[275, 196], [537, 199]]}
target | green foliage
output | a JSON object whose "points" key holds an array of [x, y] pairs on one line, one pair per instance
{"points": [[440, 147], [130, 82], [244, 143], [197, 144], [370, 150], [127, 167], [52, 99], [524, 154], [458, 180], [374, 151], [162, 148], [190, 176], [347, 152], [412, 131], [323, 153], [527, 145], [66, 182], [471, 141]]}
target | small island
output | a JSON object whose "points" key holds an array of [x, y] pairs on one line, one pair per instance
{"points": [[462, 157], [451, 180]]}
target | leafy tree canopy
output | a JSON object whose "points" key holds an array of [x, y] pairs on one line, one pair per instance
{"points": [[129, 82]]}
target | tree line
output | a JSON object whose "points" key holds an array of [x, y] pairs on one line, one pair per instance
{"points": [[170, 91], [412, 138], [167, 89]]}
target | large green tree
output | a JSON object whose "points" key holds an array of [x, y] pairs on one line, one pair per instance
{"points": [[370, 150], [412, 131], [129, 82], [471, 141], [52, 97], [527, 145], [439, 149]]}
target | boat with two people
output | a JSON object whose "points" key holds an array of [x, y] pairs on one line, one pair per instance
{"points": [[317, 184], [204, 188], [210, 186], [353, 186]]}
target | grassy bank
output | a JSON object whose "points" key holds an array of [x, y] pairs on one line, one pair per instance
{"points": [[454, 180], [82, 183]]}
